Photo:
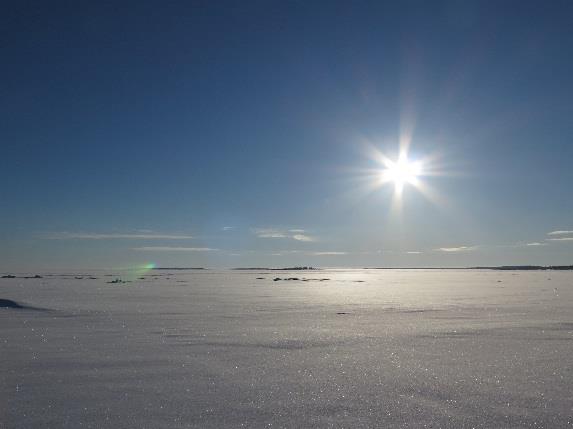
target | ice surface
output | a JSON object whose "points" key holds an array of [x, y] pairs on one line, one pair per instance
{"points": [[215, 349]]}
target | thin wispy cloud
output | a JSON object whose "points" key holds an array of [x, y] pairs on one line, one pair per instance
{"points": [[414, 252], [302, 237], [228, 228], [294, 234], [287, 252], [269, 233], [307, 253], [113, 236], [560, 233], [173, 249], [455, 249], [536, 243], [561, 239]]}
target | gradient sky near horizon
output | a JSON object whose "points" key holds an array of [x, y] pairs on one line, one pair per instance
{"points": [[229, 134]]}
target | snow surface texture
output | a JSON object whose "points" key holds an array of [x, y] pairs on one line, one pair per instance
{"points": [[215, 349]]}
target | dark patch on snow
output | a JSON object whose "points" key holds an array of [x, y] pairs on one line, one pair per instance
{"points": [[8, 303]]}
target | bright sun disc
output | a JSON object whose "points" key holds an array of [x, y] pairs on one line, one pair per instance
{"points": [[401, 172]]}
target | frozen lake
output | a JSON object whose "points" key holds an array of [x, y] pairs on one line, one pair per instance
{"points": [[214, 349]]}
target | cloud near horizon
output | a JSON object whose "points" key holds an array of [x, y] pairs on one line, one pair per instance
{"points": [[560, 233], [113, 236], [305, 252], [173, 249], [302, 237], [561, 239], [294, 234], [456, 249]]}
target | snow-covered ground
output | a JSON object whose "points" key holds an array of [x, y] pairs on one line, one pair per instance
{"points": [[366, 348]]}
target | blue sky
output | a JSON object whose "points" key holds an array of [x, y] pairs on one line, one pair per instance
{"points": [[227, 134]]}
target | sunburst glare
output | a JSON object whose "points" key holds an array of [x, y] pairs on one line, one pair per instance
{"points": [[401, 172]]}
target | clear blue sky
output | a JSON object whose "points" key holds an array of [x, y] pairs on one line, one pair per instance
{"points": [[241, 133]]}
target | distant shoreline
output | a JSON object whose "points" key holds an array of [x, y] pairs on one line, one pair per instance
{"points": [[499, 268], [308, 268], [179, 268], [10, 275]]}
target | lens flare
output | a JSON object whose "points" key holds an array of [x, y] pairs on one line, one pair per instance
{"points": [[143, 269], [137, 272]]}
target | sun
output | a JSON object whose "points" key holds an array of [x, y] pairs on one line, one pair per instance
{"points": [[401, 172]]}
